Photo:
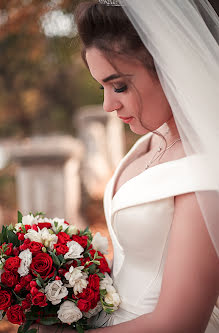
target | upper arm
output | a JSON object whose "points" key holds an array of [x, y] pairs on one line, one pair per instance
{"points": [[191, 274]]}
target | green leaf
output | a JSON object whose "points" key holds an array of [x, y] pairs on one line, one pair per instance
{"points": [[96, 262], [23, 229], [103, 292], [38, 214], [56, 224], [4, 234], [49, 321], [109, 311], [79, 328], [55, 259], [59, 229], [32, 330], [27, 325], [108, 305], [19, 217], [101, 275], [13, 238], [61, 259], [39, 278], [95, 255], [39, 283], [20, 299], [92, 268], [20, 329]]}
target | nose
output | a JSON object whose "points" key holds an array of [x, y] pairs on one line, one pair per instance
{"points": [[110, 103]]}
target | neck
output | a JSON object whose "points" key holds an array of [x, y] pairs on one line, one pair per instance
{"points": [[171, 136]]}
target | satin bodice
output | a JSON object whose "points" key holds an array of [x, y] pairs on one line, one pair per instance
{"points": [[139, 219]]}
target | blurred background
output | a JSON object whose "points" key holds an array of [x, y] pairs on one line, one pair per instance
{"points": [[58, 148]]}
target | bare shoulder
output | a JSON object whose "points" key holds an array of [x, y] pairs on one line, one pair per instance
{"points": [[190, 285]]}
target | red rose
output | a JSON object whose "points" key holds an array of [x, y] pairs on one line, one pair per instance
{"points": [[39, 299], [17, 288], [95, 300], [82, 240], [23, 247], [12, 264], [63, 238], [94, 281], [44, 225], [27, 227], [16, 251], [61, 249], [9, 250], [84, 305], [87, 294], [34, 227], [42, 264], [35, 247], [5, 300], [103, 267], [9, 278], [16, 315], [26, 304]]}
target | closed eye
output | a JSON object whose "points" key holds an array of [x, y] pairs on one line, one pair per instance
{"points": [[122, 89]]}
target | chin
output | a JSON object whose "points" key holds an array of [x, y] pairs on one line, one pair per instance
{"points": [[138, 130]]}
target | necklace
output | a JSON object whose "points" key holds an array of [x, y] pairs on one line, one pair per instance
{"points": [[159, 149]]}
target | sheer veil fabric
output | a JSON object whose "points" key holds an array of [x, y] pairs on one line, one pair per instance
{"points": [[183, 38]]}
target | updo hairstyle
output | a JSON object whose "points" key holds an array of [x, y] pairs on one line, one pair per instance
{"points": [[108, 29]]}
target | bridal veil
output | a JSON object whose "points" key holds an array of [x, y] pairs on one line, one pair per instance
{"points": [[183, 37]]}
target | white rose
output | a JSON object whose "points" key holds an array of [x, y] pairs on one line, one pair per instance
{"points": [[55, 291], [72, 230], [18, 226], [106, 281], [48, 239], [100, 243], [29, 219], [60, 223], [69, 313], [75, 250], [77, 279], [26, 259], [112, 298], [93, 312], [33, 235]]}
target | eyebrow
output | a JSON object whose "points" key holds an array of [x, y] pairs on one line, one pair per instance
{"points": [[111, 77], [115, 76]]}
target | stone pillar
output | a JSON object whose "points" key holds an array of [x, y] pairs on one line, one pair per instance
{"points": [[47, 177], [103, 137]]}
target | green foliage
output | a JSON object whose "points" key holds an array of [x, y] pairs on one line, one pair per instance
{"points": [[79, 328], [55, 259], [8, 236], [19, 217]]}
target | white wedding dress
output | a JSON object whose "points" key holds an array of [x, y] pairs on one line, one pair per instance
{"points": [[139, 219]]}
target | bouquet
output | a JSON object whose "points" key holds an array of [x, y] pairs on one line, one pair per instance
{"points": [[53, 273]]}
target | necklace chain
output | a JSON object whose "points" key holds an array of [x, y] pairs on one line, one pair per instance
{"points": [[159, 149]]}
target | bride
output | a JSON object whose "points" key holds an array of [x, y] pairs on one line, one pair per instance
{"points": [[157, 62]]}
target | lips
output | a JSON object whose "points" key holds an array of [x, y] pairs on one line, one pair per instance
{"points": [[126, 119]]}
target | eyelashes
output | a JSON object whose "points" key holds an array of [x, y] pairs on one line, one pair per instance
{"points": [[122, 89], [118, 90]]}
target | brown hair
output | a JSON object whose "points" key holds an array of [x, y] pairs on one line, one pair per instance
{"points": [[108, 29], [102, 26]]}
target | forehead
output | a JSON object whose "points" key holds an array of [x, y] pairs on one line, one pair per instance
{"points": [[100, 67]]}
